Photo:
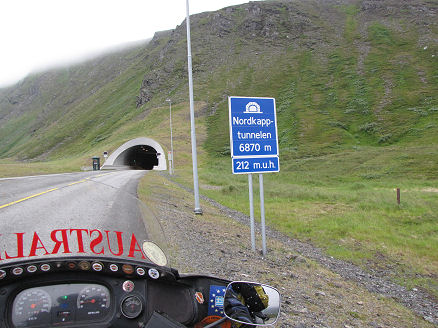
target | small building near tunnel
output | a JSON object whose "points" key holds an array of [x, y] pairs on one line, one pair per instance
{"points": [[140, 153]]}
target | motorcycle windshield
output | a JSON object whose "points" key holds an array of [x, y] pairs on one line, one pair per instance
{"points": [[88, 217]]}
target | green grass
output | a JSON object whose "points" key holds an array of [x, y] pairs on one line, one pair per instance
{"points": [[346, 204], [10, 168]]}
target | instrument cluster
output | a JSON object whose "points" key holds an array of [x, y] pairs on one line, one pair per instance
{"points": [[77, 291], [62, 303]]}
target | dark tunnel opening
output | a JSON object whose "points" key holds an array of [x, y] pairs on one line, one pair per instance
{"points": [[140, 157]]}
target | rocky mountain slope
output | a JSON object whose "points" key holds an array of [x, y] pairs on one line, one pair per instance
{"points": [[344, 73]]}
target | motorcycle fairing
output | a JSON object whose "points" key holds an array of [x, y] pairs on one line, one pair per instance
{"points": [[174, 299], [163, 321]]}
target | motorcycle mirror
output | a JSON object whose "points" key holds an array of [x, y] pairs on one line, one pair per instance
{"points": [[251, 303]]}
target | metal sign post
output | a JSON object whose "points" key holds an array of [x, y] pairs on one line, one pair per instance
{"points": [[171, 168], [198, 209], [254, 146], [262, 214], [251, 212], [170, 159]]}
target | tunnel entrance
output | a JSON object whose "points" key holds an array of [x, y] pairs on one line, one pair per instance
{"points": [[137, 154], [141, 157]]}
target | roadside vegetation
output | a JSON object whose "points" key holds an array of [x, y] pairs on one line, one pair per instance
{"points": [[311, 294], [337, 202], [9, 168]]}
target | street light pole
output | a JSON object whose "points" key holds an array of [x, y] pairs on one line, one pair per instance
{"points": [[172, 167], [198, 209]]}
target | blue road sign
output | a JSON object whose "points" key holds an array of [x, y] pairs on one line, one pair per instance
{"points": [[245, 165], [253, 134], [253, 127]]}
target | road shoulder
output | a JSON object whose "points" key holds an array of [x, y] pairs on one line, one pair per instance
{"points": [[313, 295]]}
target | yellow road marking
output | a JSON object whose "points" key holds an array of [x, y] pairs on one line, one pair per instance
{"points": [[23, 199], [73, 183], [100, 175], [45, 192]]}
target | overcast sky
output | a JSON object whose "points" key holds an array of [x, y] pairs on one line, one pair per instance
{"points": [[39, 34]]}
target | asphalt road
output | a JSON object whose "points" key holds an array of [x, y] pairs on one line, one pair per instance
{"points": [[71, 214]]}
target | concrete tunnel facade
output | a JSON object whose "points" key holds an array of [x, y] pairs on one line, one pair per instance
{"points": [[140, 153]]}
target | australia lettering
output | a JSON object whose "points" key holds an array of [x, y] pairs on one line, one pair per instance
{"points": [[72, 241]]}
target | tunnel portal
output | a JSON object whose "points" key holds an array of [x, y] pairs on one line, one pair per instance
{"points": [[140, 157], [139, 153]]}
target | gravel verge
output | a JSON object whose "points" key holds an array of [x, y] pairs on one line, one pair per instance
{"points": [[419, 301], [317, 290]]}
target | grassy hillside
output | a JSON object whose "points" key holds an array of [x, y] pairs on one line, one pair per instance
{"points": [[46, 112], [345, 75], [356, 87]]}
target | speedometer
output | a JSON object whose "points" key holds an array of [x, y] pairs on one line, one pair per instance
{"points": [[31, 308], [93, 302]]}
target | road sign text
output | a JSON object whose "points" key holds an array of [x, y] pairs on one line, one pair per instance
{"points": [[252, 121], [253, 134], [255, 165]]}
